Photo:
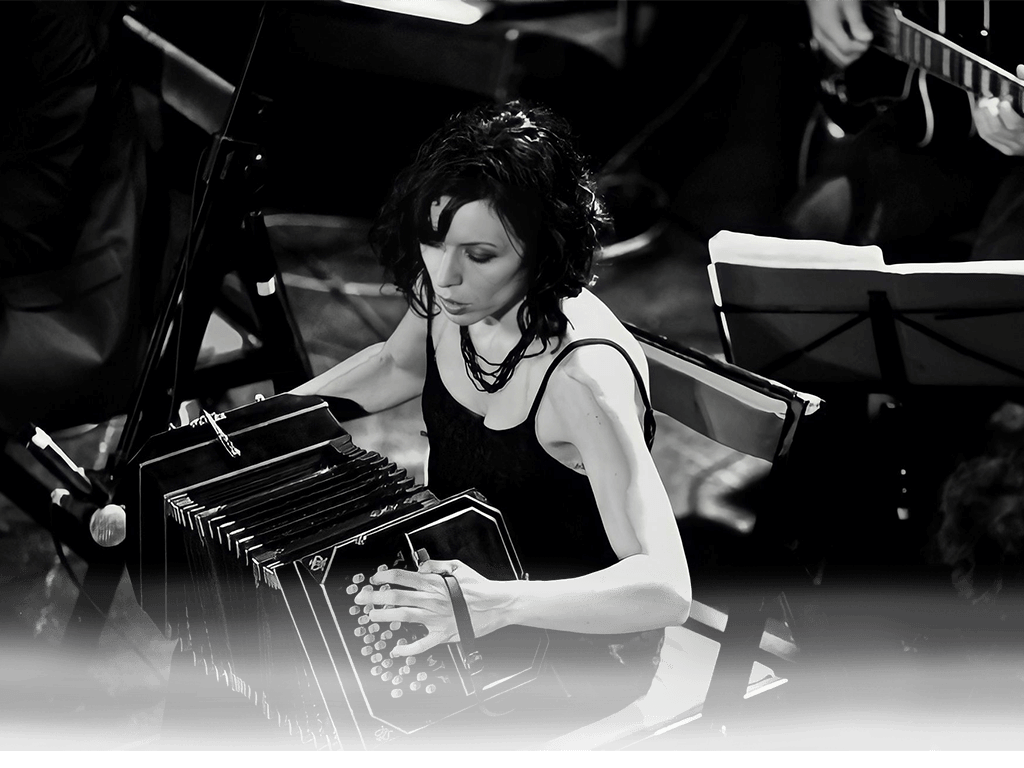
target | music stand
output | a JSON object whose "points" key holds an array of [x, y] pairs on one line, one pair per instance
{"points": [[813, 313], [838, 321], [942, 338]]}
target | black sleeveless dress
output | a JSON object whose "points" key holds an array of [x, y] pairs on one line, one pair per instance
{"points": [[556, 528]]}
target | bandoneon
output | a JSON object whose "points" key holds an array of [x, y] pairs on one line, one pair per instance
{"points": [[254, 531]]}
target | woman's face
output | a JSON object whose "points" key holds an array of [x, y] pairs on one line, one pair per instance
{"points": [[478, 270]]}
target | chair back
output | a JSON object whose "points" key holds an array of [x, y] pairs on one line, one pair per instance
{"points": [[725, 403]]}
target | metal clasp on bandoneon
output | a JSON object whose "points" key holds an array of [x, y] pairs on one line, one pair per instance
{"points": [[233, 452]]}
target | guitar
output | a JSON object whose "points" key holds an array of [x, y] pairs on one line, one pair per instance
{"points": [[924, 58]]}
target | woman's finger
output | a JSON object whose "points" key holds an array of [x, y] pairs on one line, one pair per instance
{"points": [[404, 614], [440, 566], [409, 579], [424, 644], [399, 598]]}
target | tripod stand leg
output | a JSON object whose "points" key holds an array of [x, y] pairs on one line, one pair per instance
{"points": [[289, 363]]}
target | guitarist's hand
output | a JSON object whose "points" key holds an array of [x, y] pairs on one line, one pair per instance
{"points": [[838, 30], [998, 123]]}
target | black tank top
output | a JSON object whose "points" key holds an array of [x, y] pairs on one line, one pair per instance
{"points": [[552, 517]]}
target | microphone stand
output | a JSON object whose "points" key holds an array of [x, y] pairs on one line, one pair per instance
{"points": [[226, 177]]}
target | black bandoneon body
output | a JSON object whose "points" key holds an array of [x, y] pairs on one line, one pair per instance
{"points": [[254, 531]]}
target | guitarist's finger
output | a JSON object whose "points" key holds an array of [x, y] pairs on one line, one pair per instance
{"points": [[837, 44], [1009, 118], [1007, 149], [988, 107], [992, 131], [855, 20], [1020, 71], [832, 49], [986, 118]]}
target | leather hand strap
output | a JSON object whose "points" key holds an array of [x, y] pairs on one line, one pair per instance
{"points": [[467, 637], [463, 622]]}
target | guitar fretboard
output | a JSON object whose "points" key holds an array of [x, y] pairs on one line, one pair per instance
{"points": [[913, 44]]}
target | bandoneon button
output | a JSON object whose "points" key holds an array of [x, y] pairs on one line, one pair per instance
{"points": [[396, 693]]}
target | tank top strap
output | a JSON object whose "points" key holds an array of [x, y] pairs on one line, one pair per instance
{"points": [[649, 422]]}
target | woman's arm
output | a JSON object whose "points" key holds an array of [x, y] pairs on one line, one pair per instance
{"points": [[648, 588], [380, 376], [650, 585]]}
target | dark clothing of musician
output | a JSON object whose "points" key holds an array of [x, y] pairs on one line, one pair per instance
{"points": [[491, 233], [554, 520], [73, 187]]}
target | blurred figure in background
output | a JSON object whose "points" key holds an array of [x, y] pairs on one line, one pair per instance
{"points": [[895, 186], [73, 187], [976, 547], [981, 536]]}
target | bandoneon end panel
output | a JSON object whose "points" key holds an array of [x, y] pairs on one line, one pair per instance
{"points": [[255, 531]]}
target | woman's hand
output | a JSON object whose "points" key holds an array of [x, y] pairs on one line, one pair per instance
{"points": [[423, 598]]}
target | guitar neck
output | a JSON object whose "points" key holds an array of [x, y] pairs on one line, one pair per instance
{"points": [[913, 44]]}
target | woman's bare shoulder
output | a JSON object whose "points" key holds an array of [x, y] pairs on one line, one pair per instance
{"points": [[590, 318]]}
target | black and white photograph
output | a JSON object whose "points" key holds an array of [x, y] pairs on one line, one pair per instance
{"points": [[444, 378]]}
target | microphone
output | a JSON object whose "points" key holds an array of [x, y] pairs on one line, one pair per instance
{"points": [[106, 521], [107, 524]]}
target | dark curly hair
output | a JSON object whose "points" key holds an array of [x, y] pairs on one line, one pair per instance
{"points": [[982, 511], [521, 159]]}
